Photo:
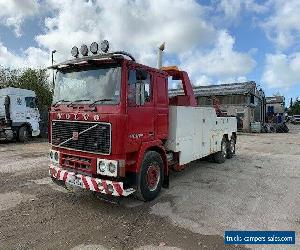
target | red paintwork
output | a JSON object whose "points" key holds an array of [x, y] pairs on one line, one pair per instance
{"points": [[149, 121], [189, 98], [152, 176]]}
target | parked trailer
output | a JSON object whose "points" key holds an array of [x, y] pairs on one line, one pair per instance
{"points": [[113, 129], [19, 115]]}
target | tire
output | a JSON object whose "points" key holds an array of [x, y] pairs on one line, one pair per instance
{"points": [[231, 148], [220, 156], [151, 176], [23, 134]]}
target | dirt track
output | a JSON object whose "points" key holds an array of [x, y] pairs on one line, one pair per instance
{"points": [[258, 189]]}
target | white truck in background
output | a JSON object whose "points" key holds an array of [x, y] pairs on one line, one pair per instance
{"points": [[19, 114]]}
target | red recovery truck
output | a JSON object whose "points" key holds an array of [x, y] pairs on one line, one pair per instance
{"points": [[114, 130]]}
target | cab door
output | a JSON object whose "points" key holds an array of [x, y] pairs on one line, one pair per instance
{"points": [[32, 114], [140, 111]]}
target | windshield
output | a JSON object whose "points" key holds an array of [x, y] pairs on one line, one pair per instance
{"points": [[92, 84]]}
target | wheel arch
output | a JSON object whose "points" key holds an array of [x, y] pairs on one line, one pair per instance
{"points": [[163, 155], [28, 125], [154, 146], [18, 125]]}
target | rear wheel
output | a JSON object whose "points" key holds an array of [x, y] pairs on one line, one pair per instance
{"points": [[150, 177], [231, 148], [23, 134], [220, 156]]}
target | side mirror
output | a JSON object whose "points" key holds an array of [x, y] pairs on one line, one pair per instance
{"points": [[141, 74], [7, 107]]}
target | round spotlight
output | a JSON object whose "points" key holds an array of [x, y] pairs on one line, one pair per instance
{"points": [[74, 51], [84, 50], [104, 46], [94, 48]]}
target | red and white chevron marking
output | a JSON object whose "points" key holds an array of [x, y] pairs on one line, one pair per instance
{"points": [[94, 184]]}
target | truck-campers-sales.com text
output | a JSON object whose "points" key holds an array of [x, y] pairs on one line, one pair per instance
{"points": [[261, 239]]}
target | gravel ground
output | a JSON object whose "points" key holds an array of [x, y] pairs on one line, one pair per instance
{"points": [[259, 189]]}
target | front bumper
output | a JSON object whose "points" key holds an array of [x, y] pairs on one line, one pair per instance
{"points": [[86, 182]]}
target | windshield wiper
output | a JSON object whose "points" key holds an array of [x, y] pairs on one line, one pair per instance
{"points": [[80, 100], [101, 100], [59, 101]]}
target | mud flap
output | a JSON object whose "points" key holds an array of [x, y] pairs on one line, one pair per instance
{"points": [[165, 183]]}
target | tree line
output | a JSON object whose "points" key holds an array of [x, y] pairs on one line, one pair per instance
{"points": [[294, 108], [33, 79]]}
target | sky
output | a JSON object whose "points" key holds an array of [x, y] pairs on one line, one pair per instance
{"points": [[215, 41]]}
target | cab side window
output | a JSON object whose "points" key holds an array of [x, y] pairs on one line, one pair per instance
{"points": [[139, 87], [147, 89], [131, 88], [30, 102]]}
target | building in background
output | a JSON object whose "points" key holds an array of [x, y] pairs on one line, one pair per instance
{"points": [[243, 100], [275, 106]]}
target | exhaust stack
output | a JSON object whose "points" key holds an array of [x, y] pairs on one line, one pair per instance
{"points": [[159, 55]]}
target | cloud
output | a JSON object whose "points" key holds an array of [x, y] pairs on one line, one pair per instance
{"points": [[281, 70], [32, 57], [140, 26], [136, 26], [204, 51], [282, 26], [232, 10], [7, 58], [222, 61], [14, 12]]}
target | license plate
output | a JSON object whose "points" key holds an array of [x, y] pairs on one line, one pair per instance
{"points": [[75, 181]]}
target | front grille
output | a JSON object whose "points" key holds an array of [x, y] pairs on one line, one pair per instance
{"points": [[84, 136]]}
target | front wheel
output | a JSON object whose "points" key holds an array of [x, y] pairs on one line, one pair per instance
{"points": [[23, 134], [150, 177]]}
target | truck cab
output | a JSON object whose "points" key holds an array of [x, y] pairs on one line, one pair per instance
{"points": [[19, 114], [110, 125]]}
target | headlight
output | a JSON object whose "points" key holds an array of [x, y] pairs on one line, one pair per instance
{"points": [[107, 167], [112, 167], [54, 156], [102, 166]]}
